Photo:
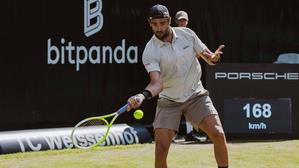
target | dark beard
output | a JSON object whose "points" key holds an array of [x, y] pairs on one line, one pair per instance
{"points": [[164, 35]]}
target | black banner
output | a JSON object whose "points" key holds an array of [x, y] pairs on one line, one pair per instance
{"points": [[256, 98], [62, 61], [68, 61]]}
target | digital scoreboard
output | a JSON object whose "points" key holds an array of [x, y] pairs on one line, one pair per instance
{"points": [[248, 115], [256, 99]]}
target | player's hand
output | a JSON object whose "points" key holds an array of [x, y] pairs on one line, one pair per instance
{"points": [[135, 101], [216, 57]]}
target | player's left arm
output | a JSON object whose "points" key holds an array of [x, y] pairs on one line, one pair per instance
{"points": [[202, 51]]}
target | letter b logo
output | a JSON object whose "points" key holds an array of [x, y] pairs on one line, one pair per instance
{"points": [[93, 18]]}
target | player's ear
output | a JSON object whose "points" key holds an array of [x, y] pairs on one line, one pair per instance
{"points": [[169, 20], [149, 21]]}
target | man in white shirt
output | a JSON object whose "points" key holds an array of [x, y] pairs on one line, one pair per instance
{"points": [[170, 57]]}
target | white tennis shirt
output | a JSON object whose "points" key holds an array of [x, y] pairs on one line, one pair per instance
{"points": [[177, 63]]}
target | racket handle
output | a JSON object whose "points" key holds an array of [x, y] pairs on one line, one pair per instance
{"points": [[123, 109]]}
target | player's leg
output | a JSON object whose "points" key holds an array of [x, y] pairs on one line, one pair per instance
{"points": [[163, 139], [201, 112], [167, 121], [211, 125]]}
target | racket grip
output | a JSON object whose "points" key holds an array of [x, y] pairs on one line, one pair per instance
{"points": [[123, 109]]}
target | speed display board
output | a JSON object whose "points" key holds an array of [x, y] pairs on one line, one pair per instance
{"points": [[256, 100], [257, 115]]}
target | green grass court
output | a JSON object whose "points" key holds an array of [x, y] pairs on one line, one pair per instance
{"points": [[263, 154]]}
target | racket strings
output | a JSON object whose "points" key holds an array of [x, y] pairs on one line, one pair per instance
{"points": [[93, 123], [90, 133], [93, 131]]}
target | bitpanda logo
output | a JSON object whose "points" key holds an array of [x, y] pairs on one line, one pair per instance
{"points": [[90, 14], [65, 52]]}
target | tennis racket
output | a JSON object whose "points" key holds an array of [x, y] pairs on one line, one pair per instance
{"points": [[81, 134]]}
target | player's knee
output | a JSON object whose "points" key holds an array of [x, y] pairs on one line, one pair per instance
{"points": [[218, 136], [161, 148]]}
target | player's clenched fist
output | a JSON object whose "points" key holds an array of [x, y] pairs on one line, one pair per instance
{"points": [[135, 101]]}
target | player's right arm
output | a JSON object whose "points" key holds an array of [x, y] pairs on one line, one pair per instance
{"points": [[154, 87], [151, 62]]}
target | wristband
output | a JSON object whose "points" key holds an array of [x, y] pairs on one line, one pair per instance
{"points": [[147, 94]]}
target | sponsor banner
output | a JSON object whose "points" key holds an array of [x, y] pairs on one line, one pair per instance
{"points": [[71, 61], [85, 51], [255, 98], [251, 72], [59, 138], [67, 53], [256, 76], [63, 61]]}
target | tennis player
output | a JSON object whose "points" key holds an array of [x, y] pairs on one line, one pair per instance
{"points": [[170, 57]]}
